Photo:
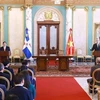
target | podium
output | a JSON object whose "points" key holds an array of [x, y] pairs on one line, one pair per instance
{"points": [[96, 53], [4, 55]]}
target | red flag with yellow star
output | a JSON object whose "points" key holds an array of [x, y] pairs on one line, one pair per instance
{"points": [[70, 44]]}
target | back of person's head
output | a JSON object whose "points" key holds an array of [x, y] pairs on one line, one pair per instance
{"points": [[1, 66], [98, 60], [25, 73], [12, 97], [6, 62], [24, 62], [18, 78], [26, 78]]}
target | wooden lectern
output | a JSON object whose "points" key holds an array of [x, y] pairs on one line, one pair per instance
{"points": [[4, 55], [96, 53]]}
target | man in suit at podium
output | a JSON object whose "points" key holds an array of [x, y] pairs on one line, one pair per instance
{"points": [[96, 47], [5, 48]]}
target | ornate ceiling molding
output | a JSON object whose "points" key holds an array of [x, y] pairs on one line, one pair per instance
{"points": [[83, 2], [51, 2], [12, 1]]}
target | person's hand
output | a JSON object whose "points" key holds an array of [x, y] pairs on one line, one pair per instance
{"points": [[90, 48]]}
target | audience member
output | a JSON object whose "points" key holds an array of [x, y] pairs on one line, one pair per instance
{"points": [[3, 87], [19, 90], [7, 67], [25, 66], [3, 74], [12, 97], [90, 80], [27, 83]]}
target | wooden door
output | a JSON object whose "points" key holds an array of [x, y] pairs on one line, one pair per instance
{"points": [[48, 36]]}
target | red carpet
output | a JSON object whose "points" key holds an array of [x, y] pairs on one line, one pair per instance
{"points": [[59, 88]]}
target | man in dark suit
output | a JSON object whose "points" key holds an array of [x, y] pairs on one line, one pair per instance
{"points": [[6, 64], [5, 48], [90, 80], [96, 47], [19, 90]]}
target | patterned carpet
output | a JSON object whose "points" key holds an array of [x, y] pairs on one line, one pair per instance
{"points": [[75, 69]]}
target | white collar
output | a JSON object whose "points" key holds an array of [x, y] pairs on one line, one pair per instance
{"points": [[21, 84]]}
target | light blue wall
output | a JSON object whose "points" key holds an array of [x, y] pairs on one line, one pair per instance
{"points": [[5, 24]]}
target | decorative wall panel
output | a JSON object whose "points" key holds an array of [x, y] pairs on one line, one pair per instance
{"points": [[1, 27], [96, 24], [11, 1], [79, 29], [16, 27]]}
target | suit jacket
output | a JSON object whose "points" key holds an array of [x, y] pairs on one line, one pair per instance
{"points": [[5, 75], [95, 47], [7, 48], [94, 68], [11, 70], [90, 80], [3, 87], [21, 92]]}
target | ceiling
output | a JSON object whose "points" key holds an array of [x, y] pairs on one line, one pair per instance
{"points": [[52, 2]]}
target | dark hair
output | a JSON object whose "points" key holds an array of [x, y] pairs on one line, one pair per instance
{"points": [[12, 97], [4, 42], [25, 62], [6, 62], [26, 78], [1, 66], [18, 78]]}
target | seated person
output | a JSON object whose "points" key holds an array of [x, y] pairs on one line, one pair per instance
{"points": [[3, 87], [90, 80], [12, 97], [6, 63], [25, 65], [3, 74], [28, 84], [19, 90]]}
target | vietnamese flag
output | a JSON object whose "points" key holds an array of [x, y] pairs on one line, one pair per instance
{"points": [[70, 44]]}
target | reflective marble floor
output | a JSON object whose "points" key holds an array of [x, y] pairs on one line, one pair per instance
{"points": [[83, 83]]}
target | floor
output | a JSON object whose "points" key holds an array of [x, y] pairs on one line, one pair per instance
{"points": [[81, 80], [83, 83]]}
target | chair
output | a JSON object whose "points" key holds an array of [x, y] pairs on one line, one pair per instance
{"points": [[8, 72], [42, 51], [79, 55], [88, 58], [5, 81], [16, 55], [60, 52], [96, 81], [30, 72], [99, 94], [2, 94]]}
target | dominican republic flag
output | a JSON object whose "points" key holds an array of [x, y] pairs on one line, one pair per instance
{"points": [[27, 45]]}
